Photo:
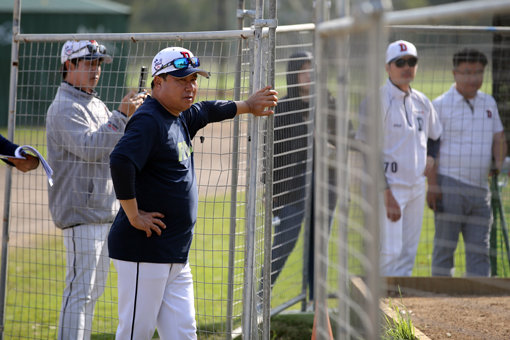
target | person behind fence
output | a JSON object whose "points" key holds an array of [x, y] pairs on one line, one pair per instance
{"points": [[81, 133], [153, 173], [472, 146], [7, 148], [411, 131], [293, 133]]}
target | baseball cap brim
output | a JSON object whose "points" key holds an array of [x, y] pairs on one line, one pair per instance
{"points": [[105, 57], [186, 72]]}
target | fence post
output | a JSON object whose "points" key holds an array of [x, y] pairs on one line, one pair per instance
{"points": [[268, 145], [249, 318], [16, 17], [376, 47]]}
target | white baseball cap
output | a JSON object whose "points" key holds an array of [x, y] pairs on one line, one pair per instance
{"points": [[84, 49], [177, 61], [400, 48]]}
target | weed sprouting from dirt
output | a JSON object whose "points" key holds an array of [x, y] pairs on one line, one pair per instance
{"points": [[400, 328]]}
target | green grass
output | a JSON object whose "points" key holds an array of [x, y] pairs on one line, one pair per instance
{"points": [[292, 326], [34, 288], [36, 281], [402, 328]]}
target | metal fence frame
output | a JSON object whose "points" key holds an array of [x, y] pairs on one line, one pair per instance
{"points": [[262, 37], [262, 41], [262, 73]]}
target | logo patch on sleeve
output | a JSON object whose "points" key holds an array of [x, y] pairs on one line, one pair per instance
{"points": [[113, 127]]}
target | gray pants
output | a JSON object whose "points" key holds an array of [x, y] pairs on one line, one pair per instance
{"points": [[86, 273], [463, 209]]}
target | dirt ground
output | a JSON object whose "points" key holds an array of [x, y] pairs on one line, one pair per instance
{"points": [[459, 318]]}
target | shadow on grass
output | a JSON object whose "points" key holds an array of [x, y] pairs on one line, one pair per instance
{"points": [[292, 326], [102, 336], [110, 336], [283, 327]]}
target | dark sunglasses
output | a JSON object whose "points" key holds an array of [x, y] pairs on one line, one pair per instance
{"points": [[181, 63], [93, 49], [402, 62]]}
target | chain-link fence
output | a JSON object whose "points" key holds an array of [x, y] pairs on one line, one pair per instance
{"points": [[314, 221]]}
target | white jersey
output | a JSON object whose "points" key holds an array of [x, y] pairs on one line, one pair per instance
{"points": [[465, 153], [409, 120]]}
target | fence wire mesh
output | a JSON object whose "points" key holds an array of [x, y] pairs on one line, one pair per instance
{"points": [[325, 182], [436, 47], [36, 253], [347, 198], [351, 68], [292, 167]]}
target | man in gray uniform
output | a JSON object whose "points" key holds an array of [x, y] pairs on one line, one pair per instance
{"points": [[81, 133]]}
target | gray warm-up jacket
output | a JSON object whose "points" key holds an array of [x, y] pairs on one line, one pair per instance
{"points": [[81, 132]]}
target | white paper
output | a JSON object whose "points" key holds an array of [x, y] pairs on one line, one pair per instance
{"points": [[31, 149]]}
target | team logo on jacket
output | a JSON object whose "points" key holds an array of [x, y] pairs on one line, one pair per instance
{"points": [[489, 114], [185, 151]]}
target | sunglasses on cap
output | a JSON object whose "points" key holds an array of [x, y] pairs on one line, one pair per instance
{"points": [[92, 49], [402, 62], [182, 63]]}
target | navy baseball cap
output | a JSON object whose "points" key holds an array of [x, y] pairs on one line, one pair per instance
{"points": [[176, 61], [84, 49]]}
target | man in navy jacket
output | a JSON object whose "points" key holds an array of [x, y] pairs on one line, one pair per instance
{"points": [[153, 174]]}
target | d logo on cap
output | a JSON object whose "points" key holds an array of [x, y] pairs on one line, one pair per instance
{"points": [[400, 48]]}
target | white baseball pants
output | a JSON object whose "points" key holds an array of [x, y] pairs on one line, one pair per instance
{"points": [[399, 240], [86, 273], [155, 295]]}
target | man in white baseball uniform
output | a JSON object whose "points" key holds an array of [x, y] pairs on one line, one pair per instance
{"points": [[460, 197], [411, 136]]}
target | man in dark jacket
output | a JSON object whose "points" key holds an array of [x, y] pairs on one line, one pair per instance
{"points": [[153, 174]]}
